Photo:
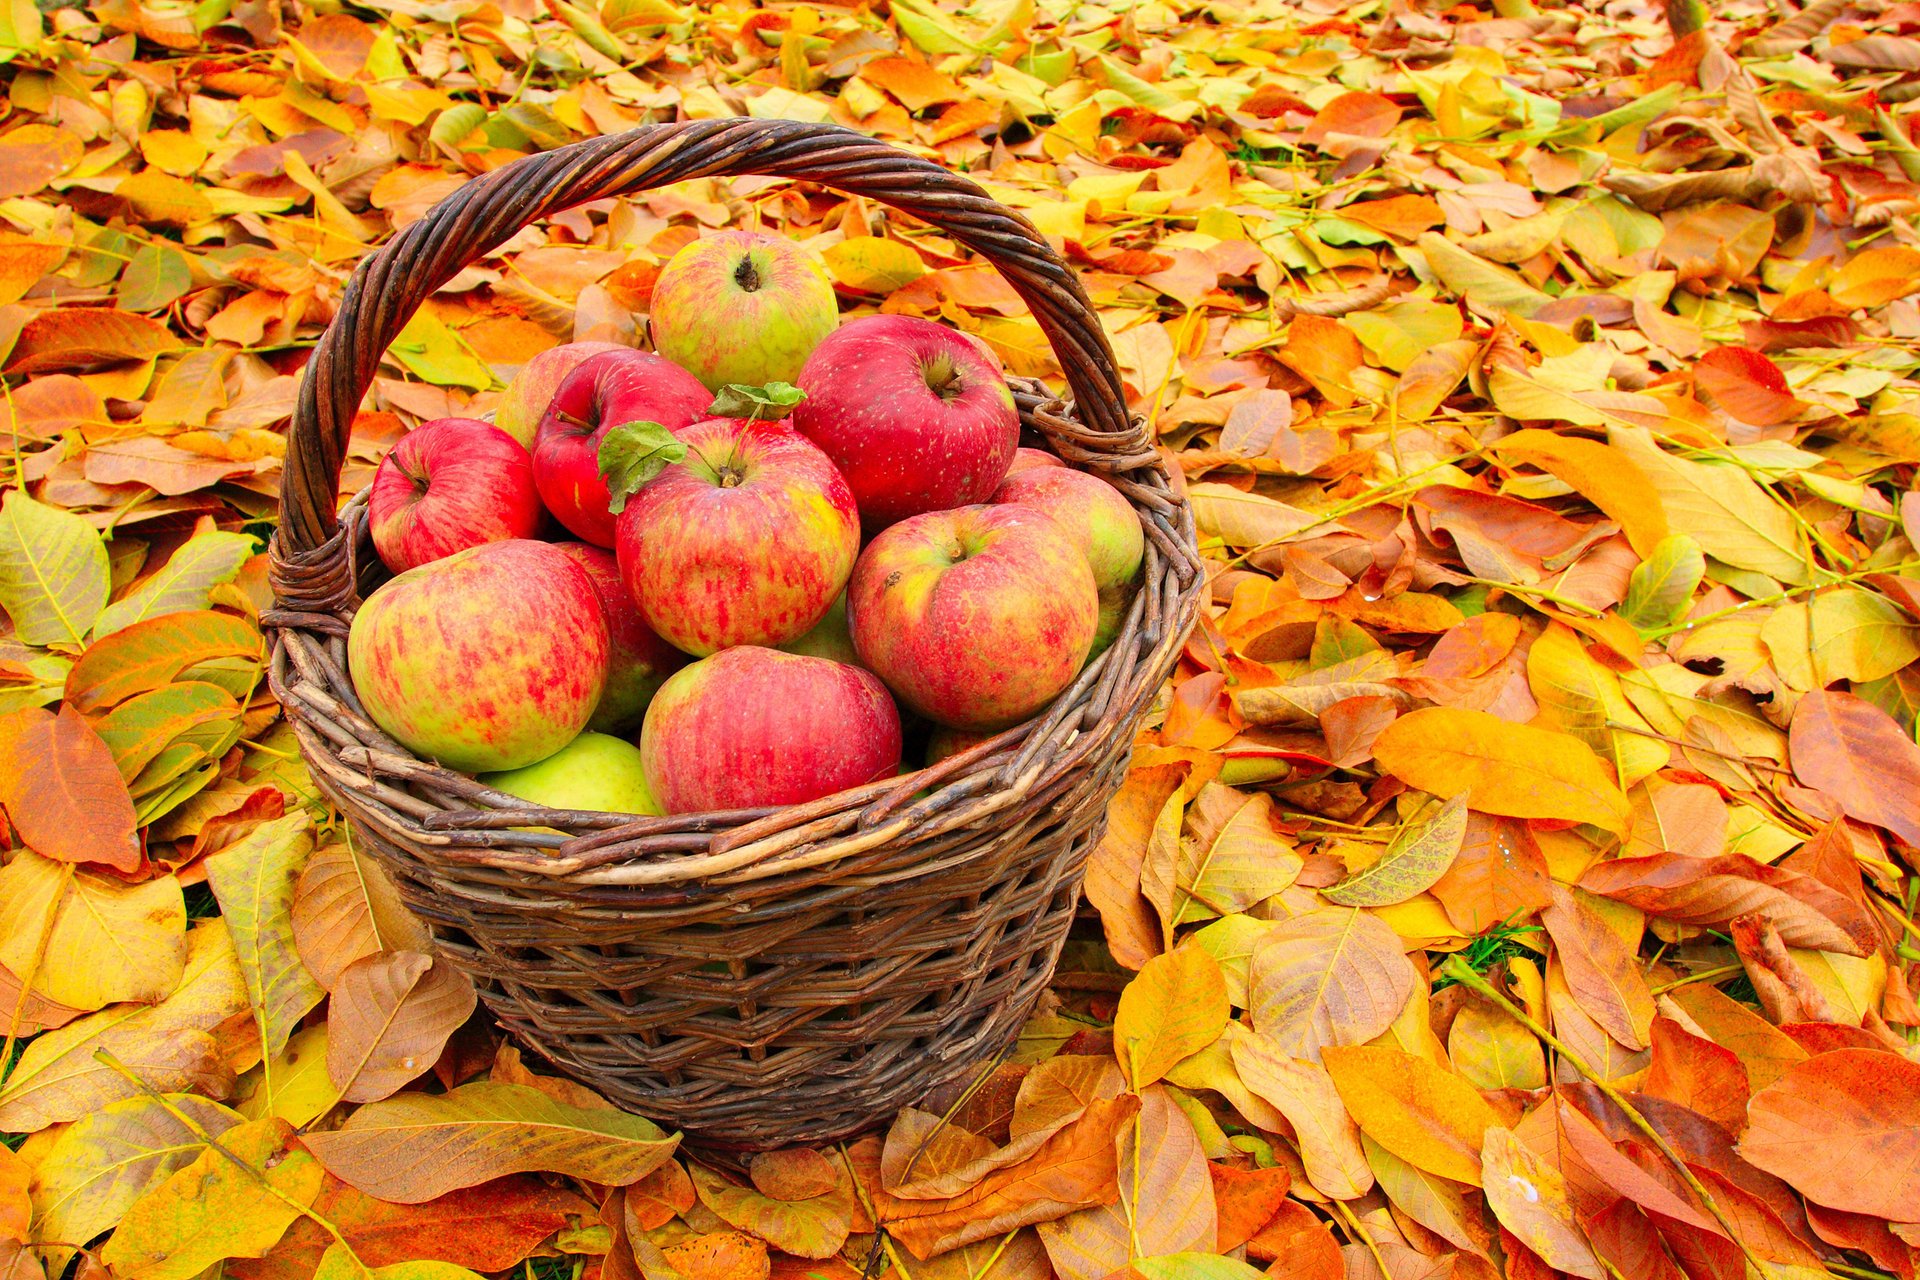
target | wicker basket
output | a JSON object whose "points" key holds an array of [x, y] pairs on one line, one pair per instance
{"points": [[756, 977]]}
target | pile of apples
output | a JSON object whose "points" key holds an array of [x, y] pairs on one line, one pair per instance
{"points": [[786, 533]]}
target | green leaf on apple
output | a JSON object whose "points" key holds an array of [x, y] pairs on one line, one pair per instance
{"points": [[632, 454], [767, 404]]}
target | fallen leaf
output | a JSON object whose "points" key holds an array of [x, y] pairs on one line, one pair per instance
{"points": [[1502, 768], [1428, 1117], [1176, 1007], [253, 880], [391, 1014], [1327, 977], [62, 791]]}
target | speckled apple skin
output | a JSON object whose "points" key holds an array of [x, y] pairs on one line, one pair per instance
{"points": [[603, 392], [450, 484], [490, 659], [903, 448], [977, 617], [1100, 521], [705, 321], [638, 661], [712, 565], [526, 398], [751, 726]]}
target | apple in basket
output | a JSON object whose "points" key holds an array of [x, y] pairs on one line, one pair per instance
{"points": [[914, 415], [976, 617], [1025, 459], [637, 659], [746, 539], [526, 398], [489, 659], [1101, 522], [594, 772], [740, 307], [749, 726], [450, 484], [605, 391]]}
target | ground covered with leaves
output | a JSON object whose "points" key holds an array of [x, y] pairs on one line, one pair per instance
{"points": [[1517, 877]]}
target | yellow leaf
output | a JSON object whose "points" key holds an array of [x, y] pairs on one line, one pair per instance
{"points": [[1513, 770], [1174, 1008], [109, 940], [1303, 1092], [1428, 1117], [1720, 507], [1602, 475], [1245, 519], [874, 265], [1845, 634], [1327, 977], [1581, 697], [1876, 277], [180, 154], [1529, 1196], [215, 1208]]}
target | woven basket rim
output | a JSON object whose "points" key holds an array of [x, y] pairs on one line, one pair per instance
{"points": [[448, 817]]}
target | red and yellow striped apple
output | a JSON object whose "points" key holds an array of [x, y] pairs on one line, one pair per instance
{"points": [[450, 484], [638, 661], [740, 307], [750, 726], [526, 398], [491, 658], [911, 412], [975, 617], [746, 540], [603, 392]]}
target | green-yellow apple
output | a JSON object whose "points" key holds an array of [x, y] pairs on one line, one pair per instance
{"points": [[594, 772], [1101, 522], [637, 659], [490, 659], [740, 307], [745, 540], [976, 617], [450, 484], [912, 413], [526, 398], [605, 391], [829, 637], [750, 726]]}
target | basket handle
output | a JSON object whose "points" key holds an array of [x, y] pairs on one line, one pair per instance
{"points": [[389, 286]]}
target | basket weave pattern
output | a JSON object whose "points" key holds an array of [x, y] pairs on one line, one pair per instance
{"points": [[766, 976]]}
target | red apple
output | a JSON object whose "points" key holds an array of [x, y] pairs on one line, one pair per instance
{"points": [[1101, 522], [450, 484], [750, 726], [975, 617], [605, 391], [911, 413], [948, 741], [526, 398], [746, 540], [638, 661], [1025, 459], [740, 307], [492, 658]]}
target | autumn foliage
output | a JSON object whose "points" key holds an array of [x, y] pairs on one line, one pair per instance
{"points": [[1516, 879]]}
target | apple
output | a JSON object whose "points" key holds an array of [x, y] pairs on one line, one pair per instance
{"points": [[637, 659], [1113, 612], [526, 398], [1101, 522], [751, 726], [948, 741], [976, 617], [1025, 459], [594, 772], [489, 659], [604, 391], [913, 415], [829, 637], [450, 484], [740, 307], [746, 540]]}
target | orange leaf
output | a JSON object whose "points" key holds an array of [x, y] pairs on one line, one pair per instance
{"points": [[1855, 753], [1360, 115], [1299, 1245], [1843, 1129], [63, 792], [1246, 1200], [79, 338], [1747, 385], [917, 85], [33, 155], [1600, 969], [659, 1198]]}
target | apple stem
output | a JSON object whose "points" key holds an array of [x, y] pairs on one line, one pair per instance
{"points": [[581, 425], [745, 276], [943, 377]]}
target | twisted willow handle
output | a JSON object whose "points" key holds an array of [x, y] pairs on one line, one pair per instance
{"points": [[483, 214]]}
